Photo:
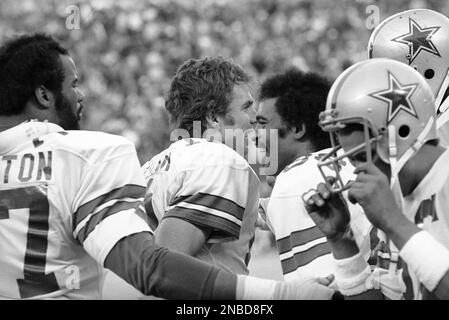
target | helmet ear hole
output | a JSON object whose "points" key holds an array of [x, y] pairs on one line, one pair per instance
{"points": [[429, 73], [404, 131]]}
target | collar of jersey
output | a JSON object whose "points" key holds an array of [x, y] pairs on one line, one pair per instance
{"points": [[29, 130]]}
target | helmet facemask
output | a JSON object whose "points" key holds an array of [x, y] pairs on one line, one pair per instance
{"points": [[330, 123]]}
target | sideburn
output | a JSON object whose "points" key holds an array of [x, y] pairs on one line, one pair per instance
{"points": [[229, 120]]}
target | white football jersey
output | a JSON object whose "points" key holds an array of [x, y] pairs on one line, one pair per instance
{"points": [[302, 247], [434, 218], [210, 185], [65, 201]]}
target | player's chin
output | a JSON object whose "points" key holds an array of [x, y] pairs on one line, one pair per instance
{"points": [[70, 123], [75, 125]]}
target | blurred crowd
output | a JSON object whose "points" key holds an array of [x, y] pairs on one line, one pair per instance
{"points": [[128, 50]]}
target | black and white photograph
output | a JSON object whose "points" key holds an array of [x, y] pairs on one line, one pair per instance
{"points": [[243, 152]]}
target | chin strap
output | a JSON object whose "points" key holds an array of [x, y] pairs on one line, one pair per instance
{"points": [[439, 98], [442, 109], [443, 118], [396, 165]]}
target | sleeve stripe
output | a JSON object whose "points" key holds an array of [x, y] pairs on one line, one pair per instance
{"points": [[302, 248], [111, 230], [103, 214], [209, 211], [303, 258], [110, 203], [210, 221], [298, 238], [128, 190], [212, 201]]}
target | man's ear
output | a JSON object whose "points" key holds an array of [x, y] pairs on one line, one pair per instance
{"points": [[213, 122], [300, 131], [44, 97]]}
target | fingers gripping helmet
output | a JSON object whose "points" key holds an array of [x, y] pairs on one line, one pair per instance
{"points": [[419, 38], [392, 102]]}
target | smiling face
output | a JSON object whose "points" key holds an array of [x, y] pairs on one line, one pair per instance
{"points": [[269, 119], [240, 113]]}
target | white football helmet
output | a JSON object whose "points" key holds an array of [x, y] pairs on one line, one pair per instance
{"points": [[419, 38], [392, 102]]}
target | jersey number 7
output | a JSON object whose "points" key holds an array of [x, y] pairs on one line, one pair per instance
{"points": [[14, 205]]}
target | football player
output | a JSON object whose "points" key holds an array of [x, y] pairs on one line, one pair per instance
{"points": [[202, 194], [381, 113], [419, 38], [290, 103], [71, 201]]}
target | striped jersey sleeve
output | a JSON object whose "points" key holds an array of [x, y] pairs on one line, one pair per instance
{"points": [[213, 197], [303, 248], [109, 203]]}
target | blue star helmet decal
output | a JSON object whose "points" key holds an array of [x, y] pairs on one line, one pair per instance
{"points": [[418, 39], [397, 96]]}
